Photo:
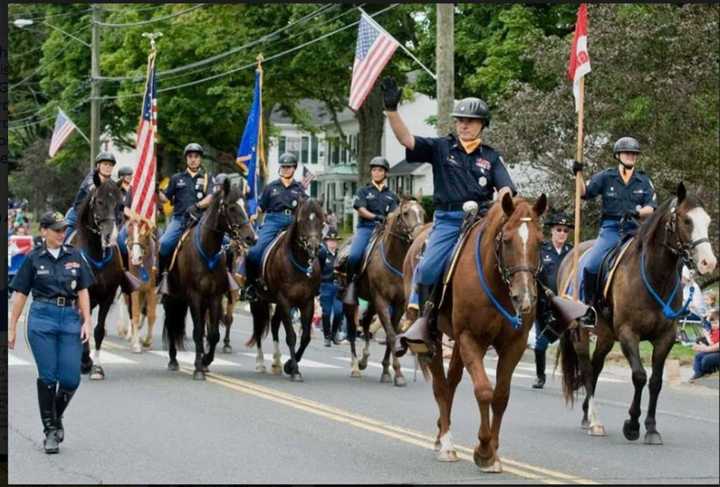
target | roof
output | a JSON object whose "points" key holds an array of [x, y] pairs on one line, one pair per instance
{"points": [[319, 115], [404, 168]]}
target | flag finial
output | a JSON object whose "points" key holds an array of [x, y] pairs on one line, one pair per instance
{"points": [[152, 36]]}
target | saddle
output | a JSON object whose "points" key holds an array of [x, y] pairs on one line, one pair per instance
{"points": [[266, 253], [465, 231], [609, 265], [343, 254]]}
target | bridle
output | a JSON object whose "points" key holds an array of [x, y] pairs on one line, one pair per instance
{"points": [[405, 231], [95, 221], [233, 228], [507, 272], [677, 246]]}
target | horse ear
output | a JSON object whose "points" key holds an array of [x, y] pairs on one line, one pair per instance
{"points": [[226, 187], [540, 205], [681, 192], [96, 179], [507, 204]]}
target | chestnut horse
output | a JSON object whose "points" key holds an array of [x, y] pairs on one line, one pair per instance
{"points": [[293, 280], [642, 304], [495, 275], [381, 285]]}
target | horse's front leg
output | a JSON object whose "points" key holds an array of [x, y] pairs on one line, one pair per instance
{"points": [[661, 349], [381, 308], [365, 321], [348, 311], [135, 316], [97, 372], [443, 398], [213, 331], [276, 367], [306, 316], [603, 345], [629, 342], [197, 311], [151, 313], [291, 366], [391, 331]]}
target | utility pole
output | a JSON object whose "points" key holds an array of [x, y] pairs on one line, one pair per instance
{"points": [[445, 66], [95, 86]]}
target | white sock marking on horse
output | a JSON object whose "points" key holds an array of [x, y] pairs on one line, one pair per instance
{"points": [[446, 442], [701, 223], [96, 356], [524, 234], [592, 412]]}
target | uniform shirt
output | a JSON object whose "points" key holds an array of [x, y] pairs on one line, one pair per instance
{"points": [[551, 259], [185, 190], [86, 186], [49, 277], [457, 176], [617, 197], [276, 197], [327, 263], [378, 202], [126, 202]]}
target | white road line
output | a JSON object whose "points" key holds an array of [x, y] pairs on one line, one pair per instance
{"points": [[311, 364], [111, 358], [13, 360], [189, 358]]}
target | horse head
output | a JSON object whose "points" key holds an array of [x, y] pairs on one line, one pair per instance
{"points": [[100, 210], [309, 220], [687, 228], [232, 214], [407, 219], [139, 235], [517, 248]]}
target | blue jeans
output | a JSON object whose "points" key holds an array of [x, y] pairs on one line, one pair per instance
{"points": [[71, 219], [274, 224], [54, 336], [443, 236], [171, 236], [330, 304], [360, 241], [706, 362], [541, 342], [122, 240]]}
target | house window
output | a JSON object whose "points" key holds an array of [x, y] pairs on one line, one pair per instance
{"points": [[343, 153], [314, 189], [305, 150], [314, 150], [335, 152]]}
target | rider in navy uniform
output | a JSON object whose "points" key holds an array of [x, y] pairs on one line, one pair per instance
{"points": [[627, 194], [373, 203], [122, 214], [552, 253], [331, 305], [464, 169], [58, 323], [104, 164], [190, 192], [278, 203]]}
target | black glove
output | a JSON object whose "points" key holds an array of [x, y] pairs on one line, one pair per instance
{"points": [[379, 218], [391, 93], [577, 167], [193, 213], [634, 214]]}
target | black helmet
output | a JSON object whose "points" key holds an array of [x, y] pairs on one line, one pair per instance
{"points": [[559, 218], [626, 144], [193, 147], [331, 235], [105, 156], [125, 171], [473, 108], [288, 159], [379, 161]]}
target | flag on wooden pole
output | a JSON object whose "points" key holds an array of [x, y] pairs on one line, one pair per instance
{"points": [[579, 64], [308, 177], [250, 151]]}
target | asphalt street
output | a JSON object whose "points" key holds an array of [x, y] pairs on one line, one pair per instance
{"points": [[145, 424]]}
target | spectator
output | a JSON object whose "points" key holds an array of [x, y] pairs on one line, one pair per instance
{"points": [[707, 356], [710, 304], [697, 304], [21, 230], [331, 220]]}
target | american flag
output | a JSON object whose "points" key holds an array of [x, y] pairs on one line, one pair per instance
{"points": [[308, 176], [374, 49], [143, 183], [63, 129]]}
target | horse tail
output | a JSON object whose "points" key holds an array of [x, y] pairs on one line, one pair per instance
{"points": [[261, 323], [567, 357], [174, 323], [424, 363]]}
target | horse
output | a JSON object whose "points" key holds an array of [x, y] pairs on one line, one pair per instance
{"points": [[292, 275], [142, 303], [496, 272], [636, 309], [198, 279], [381, 285], [96, 238]]}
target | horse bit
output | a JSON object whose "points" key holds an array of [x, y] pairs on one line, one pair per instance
{"points": [[680, 248], [505, 272]]}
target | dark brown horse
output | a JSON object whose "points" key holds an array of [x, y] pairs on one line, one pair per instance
{"points": [[199, 279], [381, 285], [490, 302], [96, 238], [676, 233], [293, 279]]}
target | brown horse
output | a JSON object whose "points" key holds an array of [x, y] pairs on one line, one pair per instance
{"points": [[293, 279], [495, 274], [142, 303], [96, 236], [676, 233], [381, 285], [199, 276]]}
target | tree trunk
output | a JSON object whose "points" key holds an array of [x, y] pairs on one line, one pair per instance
{"points": [[371, 119]]}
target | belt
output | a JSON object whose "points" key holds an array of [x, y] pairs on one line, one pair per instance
{"points": [[61, 301], [281, 212], [449, 206]]}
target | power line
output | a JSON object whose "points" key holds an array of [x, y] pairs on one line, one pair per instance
{"points": [[84, 84], [151, 21], [52, 15], [37, 122]]}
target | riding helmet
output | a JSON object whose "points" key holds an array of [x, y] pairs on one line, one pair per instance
{"points": [[288, 159], [193, 147], [105, 156], [473, 108], [379, 161], [626, 144], [125, 171]]}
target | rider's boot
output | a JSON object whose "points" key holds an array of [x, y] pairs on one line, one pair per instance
{"points": [[62, 398], [589, 287], [539, 369], [351, 290], [326, 329], [162, 272], [46, 401], [419, 337]]}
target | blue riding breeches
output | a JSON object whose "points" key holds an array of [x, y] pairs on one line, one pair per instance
{"points": [[273, 224], [122, 240], [171, 236], [360, 241], [443, 236], [54, 337]]}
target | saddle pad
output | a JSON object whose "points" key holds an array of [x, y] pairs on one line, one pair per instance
{"points": [[447, 275], [610, 262], [565, 290], [177, 248], [342, 256], [368, 250], [266, 252]]}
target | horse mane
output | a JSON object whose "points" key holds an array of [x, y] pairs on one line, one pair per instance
{"points": [[648, 228]]}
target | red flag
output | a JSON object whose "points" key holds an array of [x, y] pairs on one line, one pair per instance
{"points": [[579, 64]]}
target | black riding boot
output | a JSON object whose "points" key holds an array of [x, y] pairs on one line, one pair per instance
{"points": [[62, 398], [251, 284], [46, 401], [351, 290], [539, 369], [326, 329], [419, 336], [589, 287]]}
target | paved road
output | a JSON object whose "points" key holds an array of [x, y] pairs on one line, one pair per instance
{"points": [[144, 424]]}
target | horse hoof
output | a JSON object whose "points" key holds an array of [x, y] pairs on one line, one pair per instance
{"points": [[85, 368], [496, 467], [585, 424], [276, 369], [147, 343], [597, 430], [227, 349], [653, 438], [173, 365], [385, 378], [488, 465], [206, 368], [355, 373], [288, 368], [97, 373], [297, 377], [260, 368], [136, 348], [198, 375], [631, 431], [400, 381], [448, 456]]}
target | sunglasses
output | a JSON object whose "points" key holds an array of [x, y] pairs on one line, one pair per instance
{"points": [[562, 229]]}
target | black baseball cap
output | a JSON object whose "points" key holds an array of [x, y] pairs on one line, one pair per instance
{"points": [[54, 220]]}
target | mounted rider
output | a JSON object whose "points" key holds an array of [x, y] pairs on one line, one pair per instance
{"points": [[123, 214], [332, 310], [190, 192], [627, 194], [278, 202], [372, 203], [104, 164], [464, 169]]}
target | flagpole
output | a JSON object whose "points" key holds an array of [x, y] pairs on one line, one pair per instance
{"points": [[578, 186], [407, 51]]}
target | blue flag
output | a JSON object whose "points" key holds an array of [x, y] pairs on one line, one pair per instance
{"points": [[250, 149]]}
